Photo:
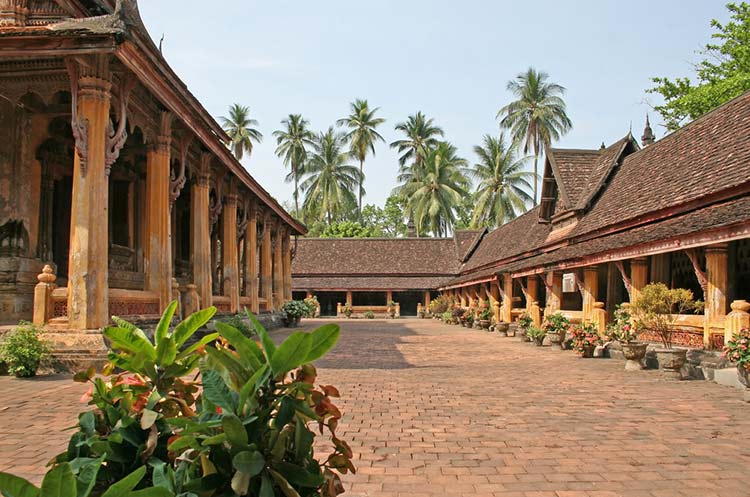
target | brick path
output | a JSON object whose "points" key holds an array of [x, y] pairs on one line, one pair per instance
{"points": [[433, 410]]}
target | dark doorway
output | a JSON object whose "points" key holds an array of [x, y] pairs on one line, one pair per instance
{"points": [[369, 298], [299, 295], [63, 194], [408, 302], [328, 302]]}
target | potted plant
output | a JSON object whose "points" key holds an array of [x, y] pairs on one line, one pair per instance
{"points": [[737, 351], [556, 326], [447, 317], [536, 334], [369, 315], [585, 339], [524, 323], [458, 316], [391, 309], [347, 311], [657, 309], [293, 312], [468, 320], [312, 306], [622, 330], [23, 351], [439, 305], [485, 317]]}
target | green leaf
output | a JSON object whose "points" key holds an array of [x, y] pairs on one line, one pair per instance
{"points": [[285, 413], [217, 392], [163, 474], [59, 482], [151, 492], [87, 477], [166, 352], [249, 463], [246, 348], [130, 341], [13, 486], [126, 485], [291, 353], [297, 475], [87, 422], [284, 485], [200, 343], [268, 346], [266, 487], [231, 363], [121, 323], [322, 340], [183, 443], [234, 429], [303, 440], [162, 329], [148, 418], [251, 387], [191, 324], [215, 440]]}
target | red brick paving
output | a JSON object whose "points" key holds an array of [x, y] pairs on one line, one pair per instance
{"points": [[436, 410]]}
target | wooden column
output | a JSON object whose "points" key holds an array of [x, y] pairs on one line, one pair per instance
{"points": [[229, 256], [427, 300], [349, 298], [554, 294], [88, 266], [388, 296], [506, 292], [251, 258], [278, 269], [638, 277], [266, 264], [590, 291], [736, 320], [495, 300], [716, 289], [158, 248], [614, 295], [532, 299], [200, 232], [287, 264]]}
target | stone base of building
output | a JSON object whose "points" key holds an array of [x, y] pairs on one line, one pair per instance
{"points": [[18, 276]]}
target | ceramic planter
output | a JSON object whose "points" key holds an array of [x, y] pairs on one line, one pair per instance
{"points": [[503, 328], [634, 353], [671, 362], [555, 338]]}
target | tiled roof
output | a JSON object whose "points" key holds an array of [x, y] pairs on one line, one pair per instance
{"points": [[572, 169], [336, 283], [376, 256], [466, 242]]}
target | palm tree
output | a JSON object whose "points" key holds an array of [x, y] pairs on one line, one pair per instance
{"points": [[537, 117], [292, 144], [435, 195], [241, 130], [421, 135], [331, 181], [503, 184], [362, 135]]}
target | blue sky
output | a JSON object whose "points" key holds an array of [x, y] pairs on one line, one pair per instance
{"points": [[449, 59]]}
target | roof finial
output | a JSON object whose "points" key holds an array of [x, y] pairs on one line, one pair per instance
{"points": [[603, 146], [648, 134]]}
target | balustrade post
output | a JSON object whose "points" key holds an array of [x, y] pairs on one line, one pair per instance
{"points": [[737, 319], [599, 317], [43, 307]]}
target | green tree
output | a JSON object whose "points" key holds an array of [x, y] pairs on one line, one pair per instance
{"points": [[434, 197], [349, 229], [292, 144], [362, 135], [503, 184], [242, 130], [723, 74], [421, 135], [537, 117], [331, 181]]}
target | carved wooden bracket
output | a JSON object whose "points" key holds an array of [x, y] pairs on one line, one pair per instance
{"points": [[80, 126], [546, 284], [215, 206], [699, 273], [625, 279], [177, 182], [524, 290], [579, 283], [116, 139], [243, 219], [265, 222]]}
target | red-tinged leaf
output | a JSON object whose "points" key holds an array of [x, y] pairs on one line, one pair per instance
{"points": [[331, 391]]}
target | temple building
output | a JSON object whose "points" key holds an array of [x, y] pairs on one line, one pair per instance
{"points": [[611, 220], [117, 190]]}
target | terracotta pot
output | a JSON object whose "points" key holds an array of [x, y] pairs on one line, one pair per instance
{"points": [[634, 353], [671, 362], [588, 351], [744, 376], [555, 338]]}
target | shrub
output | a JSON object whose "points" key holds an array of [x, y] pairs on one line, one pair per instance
{"points": [[295, 309], [621, 329], [485, 313], [312, 306], [457, 314], [369, 315], [525, 322], [469, 316], [439, 305], [658, 307], [239, 321], [347, 310], [152, 432], [447, 317], [535, 333], [737, 350], [585, 335], [23, 351], [556, 323]]}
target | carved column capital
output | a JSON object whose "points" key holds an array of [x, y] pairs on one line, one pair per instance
{"points": [[203, 173], [163, 142]]}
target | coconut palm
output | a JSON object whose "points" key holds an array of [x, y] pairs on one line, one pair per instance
{"points": [[331, 181], [537, 117], [242, 130], [362, 125], [292, 144], [503, 184], [434, 196], [421, 135]]}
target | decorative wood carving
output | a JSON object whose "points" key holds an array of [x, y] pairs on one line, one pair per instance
{"points": [[217, 203], [13, 12], [116, 139], [546, 284], [177, 181], [625, 279], [579, 283], [266, 225], [243, 218], [699, 273], [80, 126]]}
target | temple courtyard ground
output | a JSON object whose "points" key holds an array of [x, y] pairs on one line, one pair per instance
{"points": [[435, 410]]}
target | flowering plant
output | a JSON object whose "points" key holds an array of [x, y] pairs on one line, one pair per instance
{"points": [[312, 306], [585, 336], [737, 349], [469, 315], [485, 313], [525, 322], [621, 328], [536, 333], [458, 314], [347, 310], [556, 323]]}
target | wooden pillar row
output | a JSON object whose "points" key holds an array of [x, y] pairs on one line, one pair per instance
{"points": [[251, 258], [506, 292], [717, 277], [200, 232], [638, 277], [266, 264], [287, 264], [229, 259]]}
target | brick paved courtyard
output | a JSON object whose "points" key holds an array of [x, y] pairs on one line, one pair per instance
{"points": [[438, 410]]}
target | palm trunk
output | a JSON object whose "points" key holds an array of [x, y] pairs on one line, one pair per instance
{"points": [[296, 192], [361, 179], [536, 178]]}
